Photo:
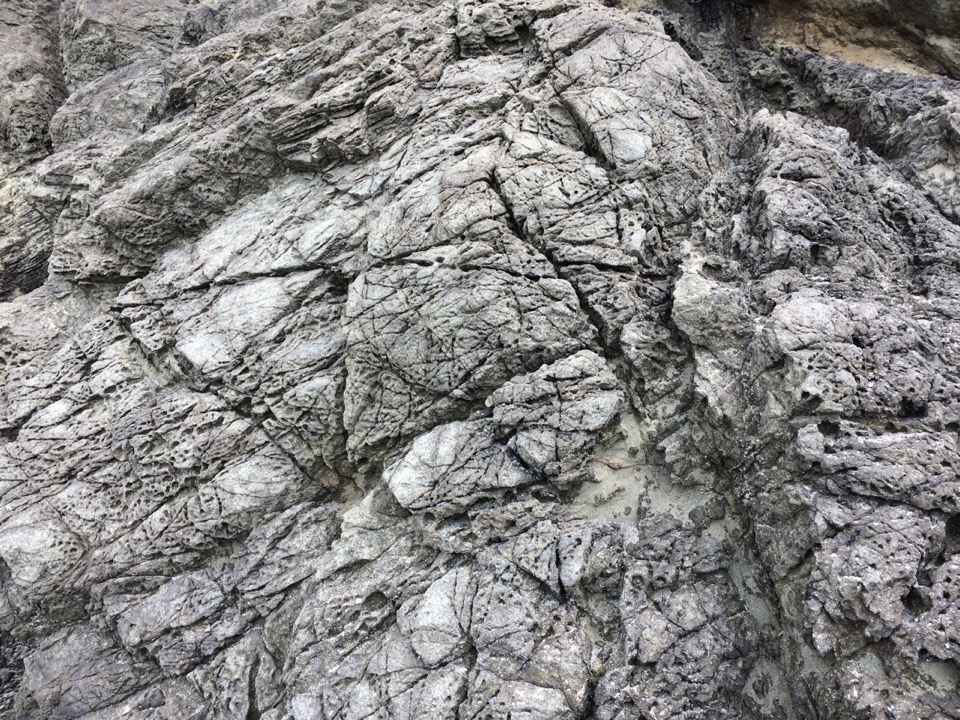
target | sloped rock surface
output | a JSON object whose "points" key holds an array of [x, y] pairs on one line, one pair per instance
{"points": [[541, 360]]}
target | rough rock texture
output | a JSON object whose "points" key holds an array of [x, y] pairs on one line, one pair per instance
{"points": [[479, 359]]}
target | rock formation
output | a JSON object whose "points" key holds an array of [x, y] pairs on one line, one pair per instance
{"points": [[528, 359]]}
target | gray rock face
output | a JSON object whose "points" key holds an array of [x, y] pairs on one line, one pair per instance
{"points": [[469, 360]]}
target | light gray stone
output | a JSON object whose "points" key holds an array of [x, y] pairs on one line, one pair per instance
{"points": [[478, 359]]}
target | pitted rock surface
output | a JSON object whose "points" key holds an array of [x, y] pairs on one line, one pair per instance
{"points": [[470, 360]]}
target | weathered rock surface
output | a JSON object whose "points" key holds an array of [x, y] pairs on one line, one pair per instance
{"points": [[476, 359]]}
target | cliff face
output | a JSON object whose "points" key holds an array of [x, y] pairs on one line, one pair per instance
{"points": [[532, 359]]}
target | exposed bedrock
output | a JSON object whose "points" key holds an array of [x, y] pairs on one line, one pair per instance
{"points": [[468, 360]]}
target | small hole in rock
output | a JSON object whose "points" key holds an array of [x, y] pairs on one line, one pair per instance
{"points": [[916, 601], [829, 428], [912, 407], [952, 535]]}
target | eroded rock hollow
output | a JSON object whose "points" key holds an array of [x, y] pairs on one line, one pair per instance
{"points": [[479, 359]]}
